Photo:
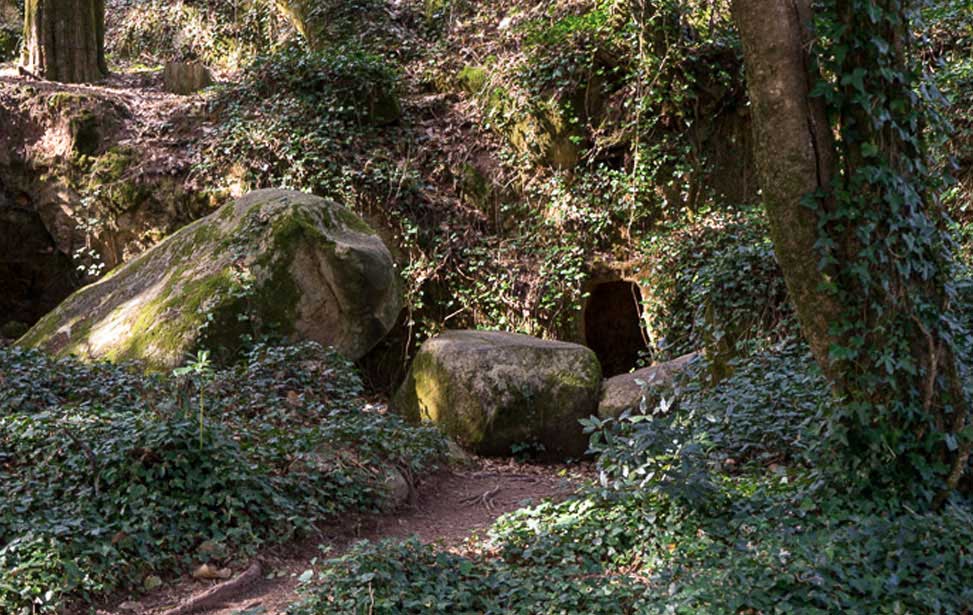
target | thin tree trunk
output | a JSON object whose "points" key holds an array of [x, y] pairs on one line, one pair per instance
{"points": [[64, 40]]}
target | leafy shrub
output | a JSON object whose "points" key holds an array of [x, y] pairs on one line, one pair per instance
{"points": [[766, 412], [564, 50], [410, 577], [715, 284], [299, 119], [107, 481], [771, 551]]}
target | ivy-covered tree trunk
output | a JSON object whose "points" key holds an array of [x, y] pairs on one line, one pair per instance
{"points": [[859, 233], [64, 40]]}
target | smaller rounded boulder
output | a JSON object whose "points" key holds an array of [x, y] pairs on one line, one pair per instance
{"points": [[625, 391], [493, 392]]}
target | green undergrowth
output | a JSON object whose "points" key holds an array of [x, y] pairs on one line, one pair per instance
{"points": [[112, 477], [712, 503], [224, 34], [714, 284], [300, 119]]}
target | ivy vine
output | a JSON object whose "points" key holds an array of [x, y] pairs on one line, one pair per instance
{"points": [[888, 258]]}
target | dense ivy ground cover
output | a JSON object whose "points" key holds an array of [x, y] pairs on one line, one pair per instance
{"points": [[710, 505], [110, 478], [299, 119]]}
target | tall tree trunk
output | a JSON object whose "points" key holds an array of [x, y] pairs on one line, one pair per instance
{"points": [[864, 251], [794, 153], [64, 40]]}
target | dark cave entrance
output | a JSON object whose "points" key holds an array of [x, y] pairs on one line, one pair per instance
{"points": [[34, 275], [613, 325]]}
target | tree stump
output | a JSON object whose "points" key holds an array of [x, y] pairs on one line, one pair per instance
{"points": [[186, 77]]}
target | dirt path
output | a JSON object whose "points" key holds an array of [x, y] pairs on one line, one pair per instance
{"points": [[453, 507]]}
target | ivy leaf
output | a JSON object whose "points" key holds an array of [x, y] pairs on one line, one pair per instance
{"points": [[856, 79]]}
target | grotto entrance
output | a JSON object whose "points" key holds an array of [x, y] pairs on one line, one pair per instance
{"points": [[613, 325], [34, 275]]}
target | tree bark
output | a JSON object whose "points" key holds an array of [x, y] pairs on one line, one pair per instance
{"points": [[896, 372], [64, 40], [794, 153]]}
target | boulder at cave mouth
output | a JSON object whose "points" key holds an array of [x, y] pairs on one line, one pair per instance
{"points": [[494, 392], [625, 391], [273, 261]]}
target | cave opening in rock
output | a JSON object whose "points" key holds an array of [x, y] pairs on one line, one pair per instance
{"points": [[613, 325], [34, 275]]}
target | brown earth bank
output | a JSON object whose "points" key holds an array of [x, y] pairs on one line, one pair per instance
{"points": [[90, 176]]}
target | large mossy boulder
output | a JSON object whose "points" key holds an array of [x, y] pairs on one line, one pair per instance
{"points": [[625, 391], [492, 391], [273, 261]]}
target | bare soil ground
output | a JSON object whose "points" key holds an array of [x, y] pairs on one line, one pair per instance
{"points": [[159, 125], [453, 508]]}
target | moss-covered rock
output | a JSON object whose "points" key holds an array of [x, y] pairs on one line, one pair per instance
{"points": [[625, 391], [272, 261], [491, 391], [473, 79]]}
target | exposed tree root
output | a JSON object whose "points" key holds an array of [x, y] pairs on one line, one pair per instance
{"points": [[220, 594], [484, 499]]}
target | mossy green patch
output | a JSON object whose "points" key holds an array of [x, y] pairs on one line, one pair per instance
{"points": [[107, 181], [428, 396], [9, 43], [112, 164], [59, 101], [473, 79], [352, 221]]}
